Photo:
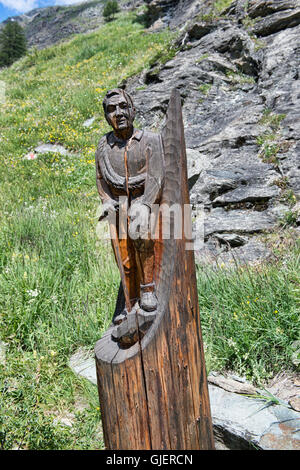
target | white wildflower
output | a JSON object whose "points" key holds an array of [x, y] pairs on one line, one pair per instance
{"points": [[33, 293]]}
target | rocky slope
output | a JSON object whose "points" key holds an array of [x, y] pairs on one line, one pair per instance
{"points": [[50, 25], [46, 26], [238, 74]]}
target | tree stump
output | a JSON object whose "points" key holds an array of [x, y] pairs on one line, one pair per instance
{"points": [[153, 393]]}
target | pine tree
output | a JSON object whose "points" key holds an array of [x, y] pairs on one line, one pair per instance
{"points": [[12, 43], [110, 9]]}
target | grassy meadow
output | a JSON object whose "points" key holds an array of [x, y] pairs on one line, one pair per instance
{"points": [[58, 282]]}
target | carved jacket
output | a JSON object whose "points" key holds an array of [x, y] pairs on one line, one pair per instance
{"points": [[141, 172]]}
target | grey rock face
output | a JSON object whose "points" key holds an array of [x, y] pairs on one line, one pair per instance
{"points": [[237, 221], [239, 79], [173, 13], [272, 17], [247, 194], [160, 8], [247, 423]]}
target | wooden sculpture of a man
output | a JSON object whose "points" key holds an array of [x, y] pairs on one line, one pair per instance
{"points": [[150, 364], [130, 162]]}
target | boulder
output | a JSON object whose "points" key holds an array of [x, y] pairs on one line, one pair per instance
{"points": [[244, 423], [237, 221]]}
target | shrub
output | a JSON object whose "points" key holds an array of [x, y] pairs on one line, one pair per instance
{"points": [[110, 9]]}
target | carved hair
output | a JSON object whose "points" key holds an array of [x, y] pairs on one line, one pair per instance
{"points": [[120, 92]]}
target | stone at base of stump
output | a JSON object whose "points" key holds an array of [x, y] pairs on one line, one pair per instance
{"points": [[243, 423]]}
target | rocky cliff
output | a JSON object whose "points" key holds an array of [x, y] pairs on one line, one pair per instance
{"points": [[238, 74]]}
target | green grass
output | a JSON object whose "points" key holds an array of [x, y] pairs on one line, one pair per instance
{"points": [[205, 88], [51, 92], [221, 5], [240, 78], [288, 197], [269, 141], [215, 10], [250, 315], [58, 282], [271, 119]]}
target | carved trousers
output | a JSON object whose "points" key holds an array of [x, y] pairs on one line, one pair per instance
{"points": [[138, 264]]}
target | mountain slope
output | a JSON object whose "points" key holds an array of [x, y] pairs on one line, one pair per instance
{"points": [[58, 277], [46, 26]]}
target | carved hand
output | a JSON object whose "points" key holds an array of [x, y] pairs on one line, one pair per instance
{"points": [[139, 226], [108, 208]]}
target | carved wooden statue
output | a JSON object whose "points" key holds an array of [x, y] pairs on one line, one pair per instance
{"points": [[130, 162], [150, 362]]}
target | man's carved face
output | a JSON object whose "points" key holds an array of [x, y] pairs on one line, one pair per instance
{"points": [[119, 112]]}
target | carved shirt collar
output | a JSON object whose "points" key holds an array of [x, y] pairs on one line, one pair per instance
{"points": [[112, 139]]}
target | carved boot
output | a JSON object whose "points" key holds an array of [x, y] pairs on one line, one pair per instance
{"points": [[148, 300]]}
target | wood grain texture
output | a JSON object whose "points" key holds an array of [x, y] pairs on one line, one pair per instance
{"points": [[154, 394]]}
